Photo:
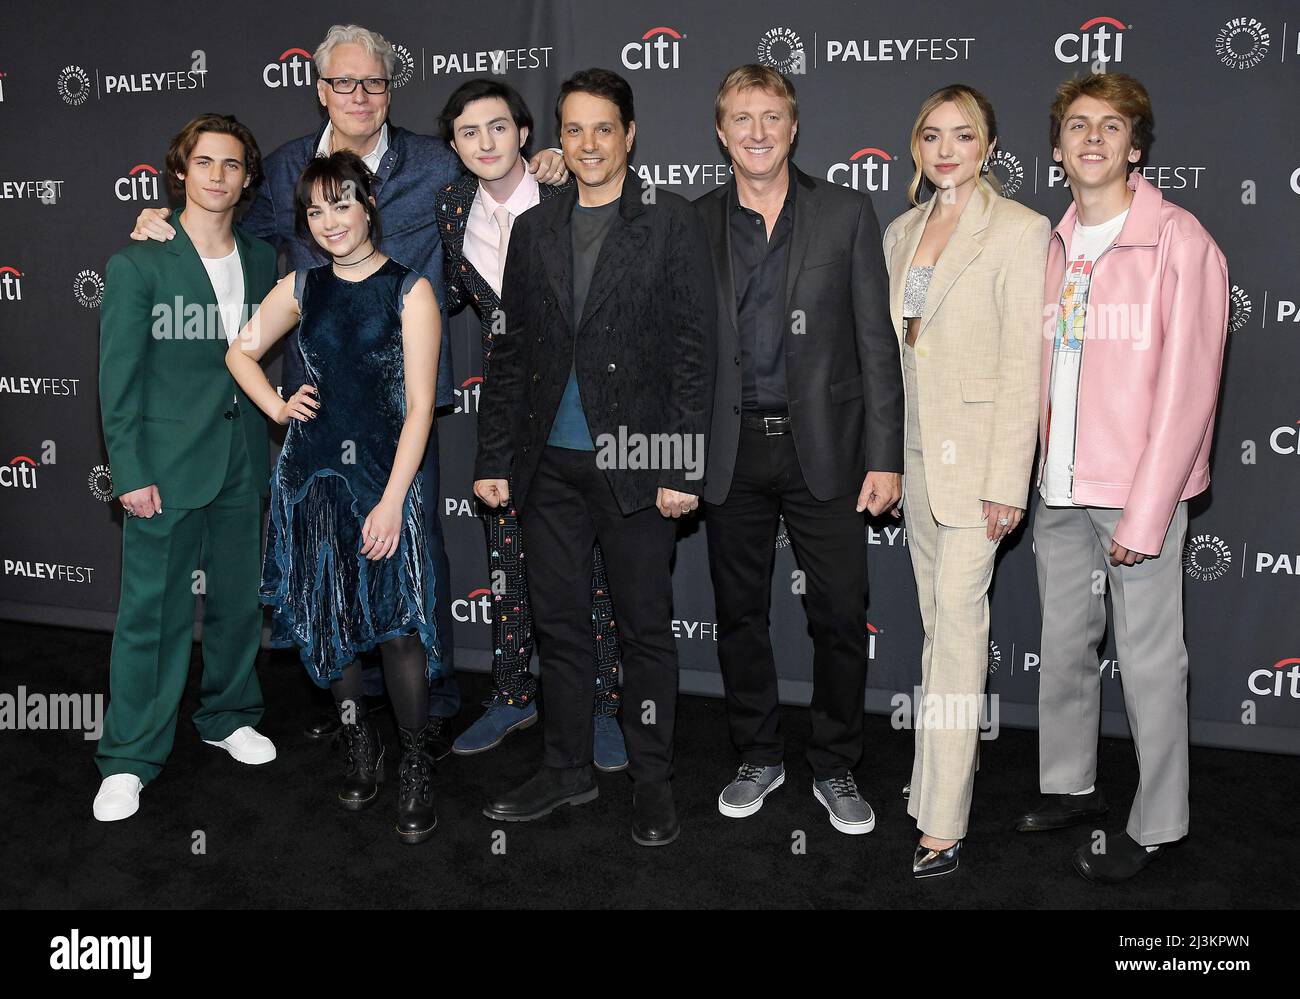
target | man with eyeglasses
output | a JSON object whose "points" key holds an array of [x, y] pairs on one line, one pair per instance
{"points": [[355, 67]]}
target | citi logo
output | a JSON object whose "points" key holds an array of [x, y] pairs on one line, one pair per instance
{"points": [[139, 184], [659, 48], [11, 284], [1271, 682], [292, 69], [1283, 440], [2, 88], [872, 632], [20, 473], [474, 608], [865, 170], [1099, 40], [467, 395]]}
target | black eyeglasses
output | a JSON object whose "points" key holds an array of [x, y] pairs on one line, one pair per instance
{"points": [[347, 84]]}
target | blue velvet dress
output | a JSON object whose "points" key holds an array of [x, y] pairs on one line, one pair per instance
{"points": [[327, 598]]}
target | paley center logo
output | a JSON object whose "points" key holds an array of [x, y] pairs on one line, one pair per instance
{"points": [[865, 170], [74, 85], [1242, 43], [11, 284], [1239, 306], [1006, 167], [782, 49], [897, 49], [1206, 557], [659, 48], [1099, 41], [292, 68], [88, 289], [140, 183], [1272, 681]]}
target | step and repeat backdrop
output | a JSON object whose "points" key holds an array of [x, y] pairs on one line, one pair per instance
{"points": [[90, 95]]}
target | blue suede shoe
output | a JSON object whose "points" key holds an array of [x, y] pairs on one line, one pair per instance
{"points": [[608, 751], [498, 721]]}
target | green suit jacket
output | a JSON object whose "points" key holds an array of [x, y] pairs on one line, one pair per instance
{"points": [[165, 394]]}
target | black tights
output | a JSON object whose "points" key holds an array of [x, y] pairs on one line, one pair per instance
{"points": [[404, 676]]}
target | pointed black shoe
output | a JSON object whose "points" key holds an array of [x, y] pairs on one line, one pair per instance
{"points": [[416, 815], [1123, 859], [363, 765], [543, 793], [1060, 811], [325, 725], [654, 817], [927, 863]]}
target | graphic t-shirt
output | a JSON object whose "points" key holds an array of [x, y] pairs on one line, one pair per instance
{"points": [[1088, 242]]}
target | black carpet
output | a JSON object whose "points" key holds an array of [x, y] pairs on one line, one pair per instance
{"points": [[273, 836]]}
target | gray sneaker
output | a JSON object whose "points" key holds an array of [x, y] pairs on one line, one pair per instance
{"points": [[848, 811], [744, 795]]}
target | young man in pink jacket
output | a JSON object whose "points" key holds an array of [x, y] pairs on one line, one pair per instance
{"points": [[1135, 322]]}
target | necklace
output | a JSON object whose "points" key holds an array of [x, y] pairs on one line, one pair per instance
{"points": [[373, 251]]}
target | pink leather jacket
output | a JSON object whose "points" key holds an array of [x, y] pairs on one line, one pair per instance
{"points": [[1153, 345]]}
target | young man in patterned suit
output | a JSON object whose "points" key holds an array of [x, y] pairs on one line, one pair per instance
{"points": [[488, 124]]}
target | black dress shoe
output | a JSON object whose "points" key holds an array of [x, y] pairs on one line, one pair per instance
{"points": [[1060, 811], [543, 793], [363, 765], [654, 819], [927, 863], [1123, 858], [437, 738], [416, 815], [323, 727]]}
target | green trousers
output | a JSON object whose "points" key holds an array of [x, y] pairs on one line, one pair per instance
{"points": [[155, 620]]}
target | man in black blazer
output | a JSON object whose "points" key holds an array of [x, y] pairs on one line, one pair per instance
{"points": [[807, 425], [596, 410]]}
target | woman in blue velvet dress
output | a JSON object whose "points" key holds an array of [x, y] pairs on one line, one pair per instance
{"points": [[348, 565]]}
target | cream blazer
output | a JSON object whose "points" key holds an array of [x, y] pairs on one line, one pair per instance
{"points": [[977, 352]]}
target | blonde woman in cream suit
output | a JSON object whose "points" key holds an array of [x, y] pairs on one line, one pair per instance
{"points": [[966, 286]]}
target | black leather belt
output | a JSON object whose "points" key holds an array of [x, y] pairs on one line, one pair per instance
{"points": [[771, 424]]}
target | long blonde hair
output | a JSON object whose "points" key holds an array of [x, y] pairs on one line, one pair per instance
{"points": [[977, 111]]}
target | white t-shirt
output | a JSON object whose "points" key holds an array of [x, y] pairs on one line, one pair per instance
{"points": [[227, 277], [1087, 243]]}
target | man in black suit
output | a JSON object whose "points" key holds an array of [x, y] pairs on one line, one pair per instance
{"points": [[596, 410], [807, 425]]}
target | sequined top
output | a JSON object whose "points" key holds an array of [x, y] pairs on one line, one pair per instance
{"points": [[918, 283]]}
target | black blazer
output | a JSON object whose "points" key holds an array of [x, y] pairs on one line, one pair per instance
{"points": [[644, 349], [844, 381]]}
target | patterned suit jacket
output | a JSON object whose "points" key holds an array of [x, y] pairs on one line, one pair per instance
{"points": [[464, 285]]}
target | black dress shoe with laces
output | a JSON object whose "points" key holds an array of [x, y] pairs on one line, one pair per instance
{"points": [[1060, 811], [363, 765], [654, 817], [416, 816], [1121, 859], [543, 793]]}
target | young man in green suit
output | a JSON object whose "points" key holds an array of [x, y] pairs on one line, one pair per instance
{"points": [[190, 463]]}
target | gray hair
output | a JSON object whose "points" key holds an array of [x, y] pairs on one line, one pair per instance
{"points": [[373, 42]]}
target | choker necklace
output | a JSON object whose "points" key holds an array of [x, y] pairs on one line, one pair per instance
{"points": [[373, 251]]}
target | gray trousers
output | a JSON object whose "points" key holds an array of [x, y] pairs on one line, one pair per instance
{"points": [[1071, 546]]}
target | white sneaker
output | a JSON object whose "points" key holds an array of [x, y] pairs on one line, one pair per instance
{"points": [[247, 745], [118, 797]]}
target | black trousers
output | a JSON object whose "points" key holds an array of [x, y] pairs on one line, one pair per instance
{"points": [[828, 538], [570, 507]]}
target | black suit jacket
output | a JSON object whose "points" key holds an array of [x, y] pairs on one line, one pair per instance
{"points": [[844, 381], [644, 349]]}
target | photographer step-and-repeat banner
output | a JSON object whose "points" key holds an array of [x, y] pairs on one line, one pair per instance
{"points": [[91, 94]]}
